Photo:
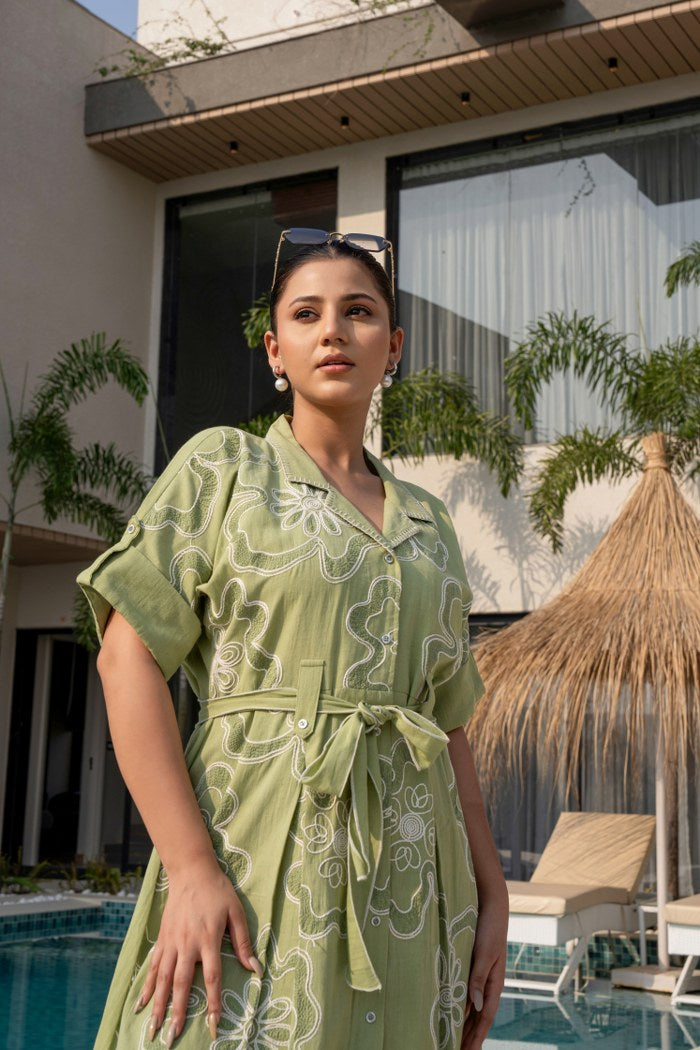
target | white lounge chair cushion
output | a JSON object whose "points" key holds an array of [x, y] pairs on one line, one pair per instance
{"points": [[558, 899], [685, 912], [597, 849]]}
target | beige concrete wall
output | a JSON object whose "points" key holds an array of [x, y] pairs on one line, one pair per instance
{"points": [[250, 25], [77, 229], [77, 232]]}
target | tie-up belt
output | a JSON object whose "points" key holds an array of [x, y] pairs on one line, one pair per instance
{"points": [[349, 755]]}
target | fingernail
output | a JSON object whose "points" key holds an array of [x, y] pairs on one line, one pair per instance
{"points": [[153, 1027], [213, 1023], [478, 1000], [255, 966], [139, 1005], [172, 1034]]}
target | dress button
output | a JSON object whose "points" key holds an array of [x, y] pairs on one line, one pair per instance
{"points": [[376, 920], [370, 1017], [386, 638], [131, 527], [302, 723], [389, 557]]}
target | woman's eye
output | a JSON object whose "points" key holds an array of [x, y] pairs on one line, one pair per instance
{"points": [[301, 315], [358, 308]]}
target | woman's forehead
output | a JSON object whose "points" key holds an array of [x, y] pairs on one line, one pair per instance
{"points": [[330, 278]]}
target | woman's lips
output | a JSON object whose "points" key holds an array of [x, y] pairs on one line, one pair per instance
{"points": [[336, 363], [336, 366]]}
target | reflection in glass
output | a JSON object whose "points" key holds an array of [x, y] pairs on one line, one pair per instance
{"points": [[489, 242]]}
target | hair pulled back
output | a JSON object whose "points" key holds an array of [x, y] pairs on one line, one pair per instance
{"points": [[332, 250]]}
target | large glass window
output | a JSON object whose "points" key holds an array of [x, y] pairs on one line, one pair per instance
{"points": [[490, 239], [220, 250]]}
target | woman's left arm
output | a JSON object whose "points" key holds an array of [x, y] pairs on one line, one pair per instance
{"points": [[489, 957]]}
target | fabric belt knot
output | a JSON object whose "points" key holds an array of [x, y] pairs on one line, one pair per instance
{"points": [[349, 756]]}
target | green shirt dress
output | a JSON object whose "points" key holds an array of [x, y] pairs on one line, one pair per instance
{"points": [[330, 659]]}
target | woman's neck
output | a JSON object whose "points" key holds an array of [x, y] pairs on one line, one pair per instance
{"points": [[334, 441]]}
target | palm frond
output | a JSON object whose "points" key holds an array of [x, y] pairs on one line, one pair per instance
{"points": [[585, 456], [99, 515], [556, 343], [43, 442], [85, 368], [103, 467], [431, 412], [665, 393], [256, 321], [8, 403], [685, 270]]}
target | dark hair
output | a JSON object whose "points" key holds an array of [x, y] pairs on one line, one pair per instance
{"points": [[333, 250]]}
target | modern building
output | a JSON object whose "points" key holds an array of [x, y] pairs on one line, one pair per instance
{"points": [[522, 156]]}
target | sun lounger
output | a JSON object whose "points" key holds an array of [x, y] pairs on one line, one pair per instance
{"points": [[683, 918], [586, 881]]}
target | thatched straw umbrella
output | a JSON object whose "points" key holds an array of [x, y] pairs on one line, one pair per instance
{"points": [[620, 645]]}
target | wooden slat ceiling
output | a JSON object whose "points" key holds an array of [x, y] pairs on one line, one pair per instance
{"points": [[649, 45]]}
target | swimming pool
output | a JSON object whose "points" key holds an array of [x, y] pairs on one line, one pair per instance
{"points": [[599, 1020], [52, 991]]}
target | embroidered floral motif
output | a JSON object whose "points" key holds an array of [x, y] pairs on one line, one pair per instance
{"points": [[326, 836], [451, 972], [304, 507]]}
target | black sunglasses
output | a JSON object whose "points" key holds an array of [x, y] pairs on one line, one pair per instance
{"points": [[300, 235]]}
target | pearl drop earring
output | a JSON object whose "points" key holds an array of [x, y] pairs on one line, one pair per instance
{"points": [[281, 382], [388, 377]]}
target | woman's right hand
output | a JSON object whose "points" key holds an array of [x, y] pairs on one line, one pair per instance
{"points": [[202, 906]]}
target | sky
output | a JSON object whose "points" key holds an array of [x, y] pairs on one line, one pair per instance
{"points": [[123, 14]]}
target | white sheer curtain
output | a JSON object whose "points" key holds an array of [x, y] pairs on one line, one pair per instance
{"points": [[488, 243]]}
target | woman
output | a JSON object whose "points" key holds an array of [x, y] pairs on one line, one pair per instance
{"points": [[312, 885]]}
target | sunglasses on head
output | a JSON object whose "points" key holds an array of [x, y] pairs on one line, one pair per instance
{"points": [[300, 235]]}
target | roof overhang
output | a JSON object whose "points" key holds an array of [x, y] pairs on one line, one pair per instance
{"points": [[38, 546], [286, 99], [481, 12]]}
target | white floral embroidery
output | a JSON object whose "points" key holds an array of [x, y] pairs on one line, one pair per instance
{"points": [[326, 835], [447, 1016], [305, 508]]}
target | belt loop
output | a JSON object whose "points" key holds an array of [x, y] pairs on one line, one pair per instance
{"points": [[308, 693]]}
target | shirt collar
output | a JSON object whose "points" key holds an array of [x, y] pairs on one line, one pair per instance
{"points": [[402, 509]]}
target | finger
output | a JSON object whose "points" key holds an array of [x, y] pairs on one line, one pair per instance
{"points": [[182, 982], [240, 938], [211, 968], [161, 995], [477, 984], [149, 983], [478, 1023]]}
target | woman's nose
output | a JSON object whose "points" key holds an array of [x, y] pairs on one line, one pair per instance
{"points": [[333, 328]]}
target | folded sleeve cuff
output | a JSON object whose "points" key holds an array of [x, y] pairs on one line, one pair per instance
{"points": [[155, 609], [456, 698]]}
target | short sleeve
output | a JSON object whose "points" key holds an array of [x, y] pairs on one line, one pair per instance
{"points": [[152, 575], [456, 696]]}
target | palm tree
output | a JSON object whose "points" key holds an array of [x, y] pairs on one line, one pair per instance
{"points": [[41, 446], [648, 392], [430, 412]]}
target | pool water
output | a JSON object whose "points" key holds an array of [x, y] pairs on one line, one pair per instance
{"points": [[52, 992], [599, 1020]]}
